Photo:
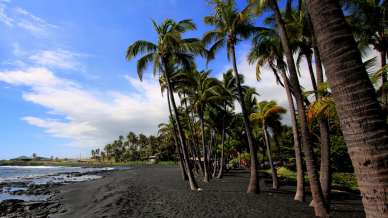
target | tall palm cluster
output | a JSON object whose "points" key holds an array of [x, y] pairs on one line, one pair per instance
{"points": [[203, 118], [137, 147]]}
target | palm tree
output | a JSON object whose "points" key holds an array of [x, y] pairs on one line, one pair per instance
{"points": [[228, 90], [183, 84], [232, 26], [132, 138], [163, 87], [171, 49], [264, 114], [368, 19], [214, 119], [267, 49], [169, 129], [320, 207], [361, 118], [204, 92], [299, 26]]}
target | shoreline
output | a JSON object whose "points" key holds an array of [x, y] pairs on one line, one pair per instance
{"points": [[35, 195]]}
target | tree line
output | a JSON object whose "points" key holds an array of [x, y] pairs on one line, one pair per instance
{"points": [[137, 147], [351, 103]]}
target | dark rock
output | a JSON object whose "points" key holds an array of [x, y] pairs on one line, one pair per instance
{"points": [[11, 206]]}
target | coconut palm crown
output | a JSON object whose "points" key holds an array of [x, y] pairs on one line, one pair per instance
{"points": [[171, 47]]}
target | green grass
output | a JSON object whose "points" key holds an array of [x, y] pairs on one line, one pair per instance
{"points": [[340, 180], [347, 180]]}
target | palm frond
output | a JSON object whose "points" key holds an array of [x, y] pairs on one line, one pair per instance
{"points": [[370, 65], [140, 47], [142, 64], [323, 107], [210, 55], [212, 36], [185, 25], [258, 72]]}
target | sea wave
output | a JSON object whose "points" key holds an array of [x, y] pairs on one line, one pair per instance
{"points": [[34, 167]]}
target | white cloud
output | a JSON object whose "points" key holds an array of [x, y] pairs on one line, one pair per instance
{"points": [[19, 17], [62, 59], [91, 118], [7, 20], [50, 58]]}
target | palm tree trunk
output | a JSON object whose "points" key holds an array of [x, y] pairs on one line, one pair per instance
{"points": [[178, 149], [383, 55], [253, 186], [194, 140], [205, 162], [221, 172], [325, 171], [186, 158], [311, 71], [275, 183], [210, 153], [361, 118], [277, 146], [320, 208], [215, 165], [198, 161], [300, 192]]}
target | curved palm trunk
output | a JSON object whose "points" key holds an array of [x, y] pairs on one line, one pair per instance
{"points": [[275, 183], [300, 192], [320, 208], [192, 182], [362, 121], [215, 161], [325, 171], [277, 145], [205, 160], [196, 150], [194, 141], [178, 149], [383, 55], [311, 71], [221, 171], [210, 154], [253, 186], [198, 160]]}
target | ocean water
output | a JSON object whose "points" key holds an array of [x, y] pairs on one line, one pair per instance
{"points": [[19, 178], [23, 173]]}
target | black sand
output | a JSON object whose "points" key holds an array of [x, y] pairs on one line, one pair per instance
{"points": [[160, 192]]}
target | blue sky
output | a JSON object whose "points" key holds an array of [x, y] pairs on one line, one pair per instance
{"points": [[65, 86]]}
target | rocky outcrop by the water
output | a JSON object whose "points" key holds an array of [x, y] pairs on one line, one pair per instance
{"points": [[19, 208], [28, 199]]}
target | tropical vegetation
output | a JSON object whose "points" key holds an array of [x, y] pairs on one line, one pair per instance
{"points": [[218, 122]]}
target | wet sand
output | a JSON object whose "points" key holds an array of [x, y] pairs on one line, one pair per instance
{"points": [[157, 191]]}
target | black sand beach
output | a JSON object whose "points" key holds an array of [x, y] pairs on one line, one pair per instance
{"points": [[157, 191]]}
